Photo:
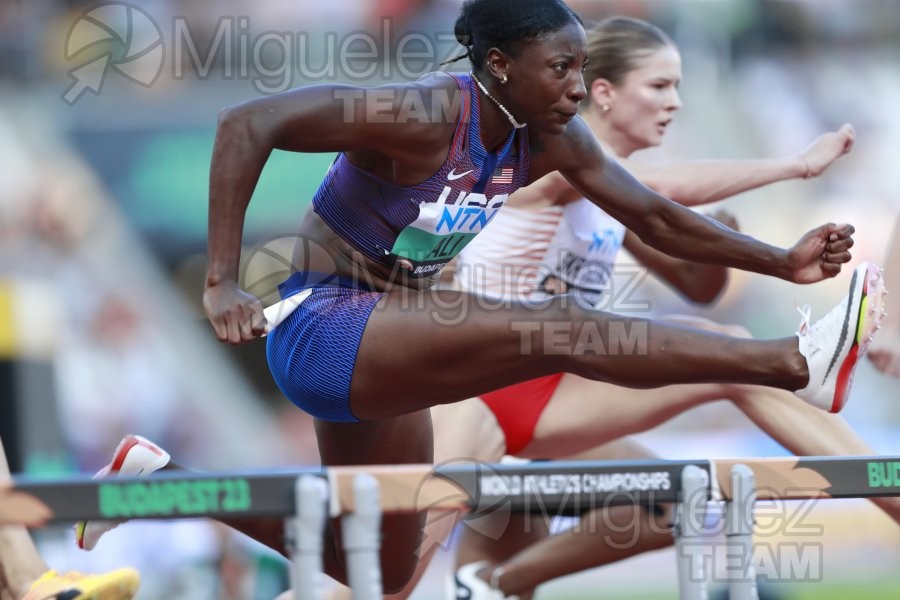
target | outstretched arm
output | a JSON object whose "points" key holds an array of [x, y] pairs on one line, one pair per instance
{"points": [[693, 183], [678, 231]]}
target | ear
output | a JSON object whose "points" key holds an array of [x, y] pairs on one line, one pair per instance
{"points": [[602, 92], [497, 63]]}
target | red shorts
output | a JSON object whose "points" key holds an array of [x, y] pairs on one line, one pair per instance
{"points": [[518, 408]]}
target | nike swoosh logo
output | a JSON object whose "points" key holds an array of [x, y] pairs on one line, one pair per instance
{"points": [[451, 176]]}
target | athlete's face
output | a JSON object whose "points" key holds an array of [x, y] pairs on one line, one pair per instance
{"points": [[643, 104], [545, 79]]}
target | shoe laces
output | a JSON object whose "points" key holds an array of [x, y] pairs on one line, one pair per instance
{"points": [[812, 337], [806, 316]]}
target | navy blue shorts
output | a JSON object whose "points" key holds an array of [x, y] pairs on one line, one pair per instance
{"points": [[312, 353]]}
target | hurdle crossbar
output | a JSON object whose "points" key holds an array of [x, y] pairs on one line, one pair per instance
{"points": [[567, 487]]}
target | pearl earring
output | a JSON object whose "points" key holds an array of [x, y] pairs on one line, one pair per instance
{"points": [[504, 79], [605, 108]]}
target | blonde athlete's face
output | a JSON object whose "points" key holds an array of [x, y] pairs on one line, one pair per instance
{"points": [[647, 98]]}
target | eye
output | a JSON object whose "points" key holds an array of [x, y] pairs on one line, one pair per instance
{"points": [[561, 67]]}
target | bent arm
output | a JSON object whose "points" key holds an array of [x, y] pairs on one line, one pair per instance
{"points": [[304, 120], [324, 118], [312, 119], [657, 221], [697, 282]]}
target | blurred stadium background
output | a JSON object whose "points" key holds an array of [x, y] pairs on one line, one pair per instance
{"points": [[102, 239]]}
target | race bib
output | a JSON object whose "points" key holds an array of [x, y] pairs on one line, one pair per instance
{"points": [[441, 231]]}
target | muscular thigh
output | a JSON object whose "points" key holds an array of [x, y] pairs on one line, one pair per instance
{"points": [[433, 347]]}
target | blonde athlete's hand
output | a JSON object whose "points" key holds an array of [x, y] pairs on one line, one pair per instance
{"points": [[827, 148], [235, 315]]}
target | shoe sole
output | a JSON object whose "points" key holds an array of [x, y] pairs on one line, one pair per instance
{"points": [[125, 446], [868, 319]]}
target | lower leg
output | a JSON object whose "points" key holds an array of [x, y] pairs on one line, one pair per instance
{"points": [[800, 428], [600, 537], [438, 527], [805, 430], [465, 431], [20, 563], [400, 440], [497, 538], [675, 354]]}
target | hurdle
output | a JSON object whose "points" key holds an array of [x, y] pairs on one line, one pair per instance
{"points": [[360, 495]]}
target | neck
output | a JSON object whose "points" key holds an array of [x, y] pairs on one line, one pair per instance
{"points": [[493, 127], [611, 139], [495, 122]]}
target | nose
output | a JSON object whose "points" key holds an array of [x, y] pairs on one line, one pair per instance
{"points": [[674, 101], [577, 92]]}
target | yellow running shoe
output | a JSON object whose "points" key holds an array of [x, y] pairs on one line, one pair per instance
{"points": [[121, 584]]}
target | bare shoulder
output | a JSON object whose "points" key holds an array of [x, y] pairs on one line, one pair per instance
{"points": [[434, 100], [423, 112], [550, 190]]}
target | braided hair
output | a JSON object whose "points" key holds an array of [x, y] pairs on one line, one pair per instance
{"points": [[506, 24]]}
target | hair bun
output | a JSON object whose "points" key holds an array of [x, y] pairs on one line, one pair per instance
{"points": [[462, 32]]}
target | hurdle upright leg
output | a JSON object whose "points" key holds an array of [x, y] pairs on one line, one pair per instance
{"points": [[304, 535], [739, 535], [690, 547], [362, 539]]}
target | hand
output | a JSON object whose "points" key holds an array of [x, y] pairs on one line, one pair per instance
{"points": [[235, 315], [885, 352], [820, 253], [826, 149], [725, 218]]}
